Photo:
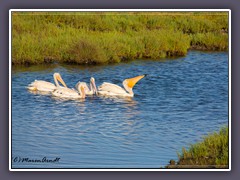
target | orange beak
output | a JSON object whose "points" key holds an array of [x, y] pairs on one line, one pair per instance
{"points": [[59, 78], [132, 81]]}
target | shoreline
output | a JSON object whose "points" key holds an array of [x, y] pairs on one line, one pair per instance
{"points": [[52, 61], [211, 152]]}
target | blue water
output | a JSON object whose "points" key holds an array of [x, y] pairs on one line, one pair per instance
{"points": [[179, 101]]}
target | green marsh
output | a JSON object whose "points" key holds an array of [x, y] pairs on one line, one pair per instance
{"points": [[111, 37], [211, 152]]}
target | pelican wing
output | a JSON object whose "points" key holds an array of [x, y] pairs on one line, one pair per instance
{"points": [[41, 86], [65, 92], [112, 88]]}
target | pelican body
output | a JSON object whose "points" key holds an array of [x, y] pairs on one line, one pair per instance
{"points": [[39, 85], [68, 93], [110, 89], [89, 90]]}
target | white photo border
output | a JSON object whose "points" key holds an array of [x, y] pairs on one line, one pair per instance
{"points": [[116, 10]]}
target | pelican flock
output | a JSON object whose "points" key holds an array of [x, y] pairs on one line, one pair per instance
{"points": [[82, 88]]}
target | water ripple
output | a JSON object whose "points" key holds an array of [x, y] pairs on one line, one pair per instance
{"points": [[175, 105]]}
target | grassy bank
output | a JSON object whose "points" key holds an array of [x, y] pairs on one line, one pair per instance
{"points": [[212, 152], [109, 37]]}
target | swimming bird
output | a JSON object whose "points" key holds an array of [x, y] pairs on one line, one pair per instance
{"points": [[115, 90], [39, 85], [68, 93], [89, 90]]}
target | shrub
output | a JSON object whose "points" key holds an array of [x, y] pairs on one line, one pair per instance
{"points": [[85, 52]]}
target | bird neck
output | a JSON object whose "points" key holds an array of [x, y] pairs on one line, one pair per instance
{"points": [[93, 87], [81, 92], [56, 81], [128, 89]]}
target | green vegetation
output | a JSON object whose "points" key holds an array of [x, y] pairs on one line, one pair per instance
{"points": [[109, 37], [212, 152]]}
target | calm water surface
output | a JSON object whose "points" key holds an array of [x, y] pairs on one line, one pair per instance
{"points": [[175, 105]]}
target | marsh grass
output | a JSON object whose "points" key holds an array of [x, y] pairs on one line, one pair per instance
{"points": [[110, 37], [211, 152], [210, 41]]}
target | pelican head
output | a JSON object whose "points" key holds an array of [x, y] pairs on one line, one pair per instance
{"points": [[57, 77], [81, 90], [93, 84], [128, 84]]}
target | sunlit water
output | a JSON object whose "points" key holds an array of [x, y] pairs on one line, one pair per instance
{"points": [[175, 105]]}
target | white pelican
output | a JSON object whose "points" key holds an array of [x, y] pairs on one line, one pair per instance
{"points": [[46, 86], [115, 90], [89, 90], [65, 92]]}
